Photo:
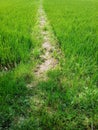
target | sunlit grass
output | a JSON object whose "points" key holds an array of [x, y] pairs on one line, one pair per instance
{"points": [[17, 19], [74, 24], [67, 100]]}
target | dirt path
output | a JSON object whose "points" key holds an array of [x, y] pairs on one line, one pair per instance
{"points": [[48, 60]]}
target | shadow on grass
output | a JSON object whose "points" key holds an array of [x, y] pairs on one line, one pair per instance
{"points": [[49, 105], [54, 105], [14, 97]]}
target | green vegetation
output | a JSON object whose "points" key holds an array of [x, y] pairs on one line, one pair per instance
{"points": [[17, 19], [68, 100], [75, 24]]}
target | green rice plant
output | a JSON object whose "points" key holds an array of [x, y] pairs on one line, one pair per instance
{"points": [[75, 25], [68, 100], [17, 19]]}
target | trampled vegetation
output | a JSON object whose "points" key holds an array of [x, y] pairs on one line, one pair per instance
{"points": [[68, 100]]}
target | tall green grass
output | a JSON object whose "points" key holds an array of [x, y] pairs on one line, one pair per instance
{"points": [[69, 99], [17, 19], [74, 23]]}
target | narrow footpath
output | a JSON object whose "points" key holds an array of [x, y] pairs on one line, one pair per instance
{"points": [[49, 62]]}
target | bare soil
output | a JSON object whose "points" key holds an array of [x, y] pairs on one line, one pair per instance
{"points": [[49, 62]]}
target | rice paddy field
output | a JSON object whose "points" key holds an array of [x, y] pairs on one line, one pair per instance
{"points": [[17, 19], [69, 99], [74, 22]]}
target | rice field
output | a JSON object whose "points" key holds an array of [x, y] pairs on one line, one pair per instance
{"points": [[68, 100], [17, 19], [75, 24]]}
